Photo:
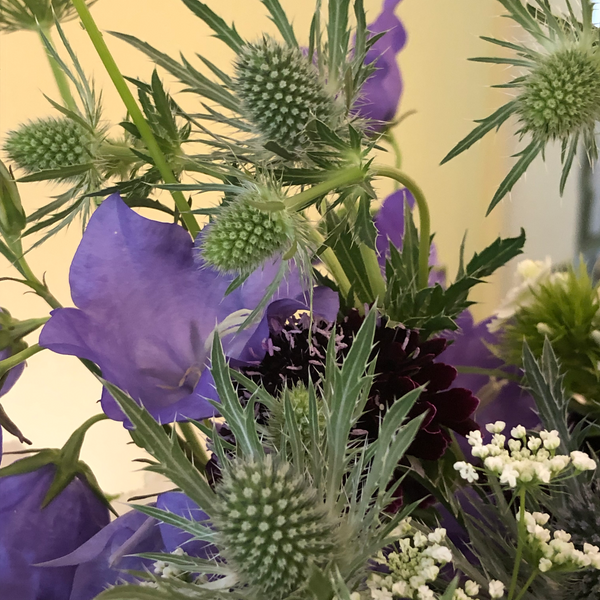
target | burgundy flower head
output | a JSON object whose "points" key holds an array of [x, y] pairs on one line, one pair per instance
{"points": [[403, 363]]}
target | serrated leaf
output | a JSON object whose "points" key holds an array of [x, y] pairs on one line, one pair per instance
{"points": [[280, 19], [494, 121], [61, 173], [527, 156], [195, 528], [224, 32], [338, 36], [364, 227]]}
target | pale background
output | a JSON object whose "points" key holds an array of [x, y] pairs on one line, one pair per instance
{"points": [[56, 394]]}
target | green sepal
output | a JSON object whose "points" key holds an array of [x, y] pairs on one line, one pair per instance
{"points": [[9, 425], [12, 331], [31, 463], [12, 215]]}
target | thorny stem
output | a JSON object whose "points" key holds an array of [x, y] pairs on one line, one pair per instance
{"points": [[424, 217], [520, 544], [136, 114], [61, 79]]}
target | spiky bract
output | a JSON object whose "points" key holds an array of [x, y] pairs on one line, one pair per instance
{"points": [[49, 144], [562, 95], [243, 236], [281, 91], [272, 526]]}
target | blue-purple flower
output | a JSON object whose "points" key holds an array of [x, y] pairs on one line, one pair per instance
{"points": [[30, 534], [380, 95], [7, 383], [146, 312], [107, 558]]}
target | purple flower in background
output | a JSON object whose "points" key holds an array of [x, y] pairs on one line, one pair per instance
{"points": [[105, 559], [146, 312], [380, 95], [30, 534], [501, 400], [7, 383]]}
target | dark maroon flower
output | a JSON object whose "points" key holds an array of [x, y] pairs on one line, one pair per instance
{"points": [[403, 362]]}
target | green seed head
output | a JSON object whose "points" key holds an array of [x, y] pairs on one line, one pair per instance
{"points": [[272, 526], [561, 96], [281, 91], [48, 144], [243, 236]]}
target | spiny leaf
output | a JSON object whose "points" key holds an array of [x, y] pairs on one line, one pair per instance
{"points": [[280, 19]]}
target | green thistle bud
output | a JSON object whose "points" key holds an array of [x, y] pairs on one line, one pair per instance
{"points": [[17, 15], [562, 95], [48, 144], [281, 91], [272, 526], [243, 236]]}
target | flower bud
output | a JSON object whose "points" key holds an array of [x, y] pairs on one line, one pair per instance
{"points": [[49, 144], [243, 236], [562, 94], [272, 526], [281, 91]]}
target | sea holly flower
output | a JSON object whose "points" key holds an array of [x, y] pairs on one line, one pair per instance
{"points": [[380, 95], [31, 534], [146, 312], [16, 15], [558, 89]]}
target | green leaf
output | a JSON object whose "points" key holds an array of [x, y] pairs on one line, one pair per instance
{"points": [[515, 62], [224, 32], [61, 173], [238, 420], [195, 528], [173, 461], [280, 19], [188, 563], [364, 227], [527, 157], [360, 45], [568, 162], [494, 121], [338, 36]]}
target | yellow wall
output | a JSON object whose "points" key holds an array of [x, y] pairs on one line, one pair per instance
{"points": [[56, 394]]}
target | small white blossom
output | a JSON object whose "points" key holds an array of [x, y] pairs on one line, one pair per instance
{"points": [[466, 471], [545, 565], [582, 461], [496, 589], [509, 476], [518, 432], [474, 438], [471, 588], [497, 427], [550, 439]]}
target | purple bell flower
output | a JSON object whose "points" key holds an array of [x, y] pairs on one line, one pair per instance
{"points": [[380, 95], [106, 558], [7, 384], [146, 312], [30, 535]]}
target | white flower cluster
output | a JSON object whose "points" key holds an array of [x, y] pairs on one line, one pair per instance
{"points": [[167, 570], [556, 551], [417, 563], [528, 461]]}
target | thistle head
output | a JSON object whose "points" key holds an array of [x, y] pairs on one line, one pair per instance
{"points": [[49, 144], [272, 526], [281, 92], [18, 15], [561, 96], [243, 236]]}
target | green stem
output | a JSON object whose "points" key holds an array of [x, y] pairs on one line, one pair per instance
{"points": [[59, 75], [136, 114], [424, 217], [499, 373], [376, 280], [198, 451], [343, 177], [17, 359], [390, 138], [332, 263], [527, 584], [520, 544]]}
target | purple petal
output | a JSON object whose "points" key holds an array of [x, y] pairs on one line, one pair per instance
{"points": [[381, 93]]}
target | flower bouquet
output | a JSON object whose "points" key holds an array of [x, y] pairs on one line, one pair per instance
{"points": [[293, 358]]}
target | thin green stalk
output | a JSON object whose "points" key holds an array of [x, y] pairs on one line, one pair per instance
{"points": [[198, 451], [332, 263], [424, 216], [376, 280], [520, 544], [341, 178], [499, 373], [17, 359], [136, 114], [390, 138], [527, 584], [59, 75]]}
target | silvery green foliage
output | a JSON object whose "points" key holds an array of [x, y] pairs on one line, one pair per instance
{"points": [[281, 91], [48, 144], [557, 91], [323, 484]]}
